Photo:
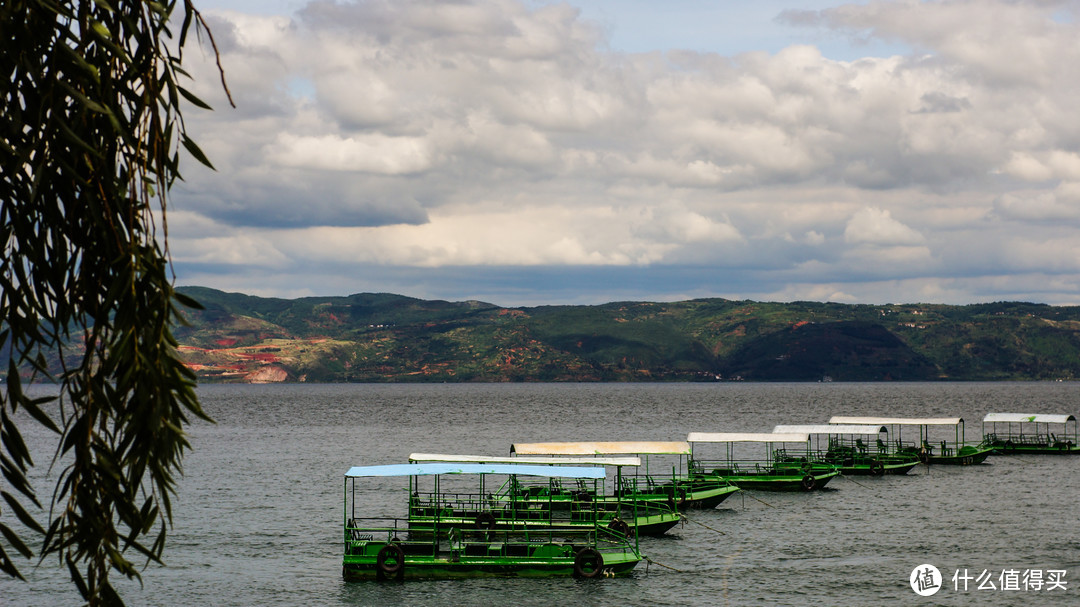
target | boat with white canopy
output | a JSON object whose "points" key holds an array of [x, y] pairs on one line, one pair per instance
{"points": [[931, 448], [775, 469], [857, 449], [1034, 433], [384, 548], [538, 503], [663, 475]]}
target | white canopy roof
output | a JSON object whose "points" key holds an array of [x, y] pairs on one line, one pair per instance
{"points": [[747, 437], [1042, 418], [865, 429], [560, 461], [885, 421], [436, 468], [603, 448]]}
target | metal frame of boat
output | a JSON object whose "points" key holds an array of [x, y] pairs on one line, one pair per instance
{"points": [[958, 453], [1016, 442], [846, 449], [382, 548], [779, 472], [680, 492], [538, 505]]}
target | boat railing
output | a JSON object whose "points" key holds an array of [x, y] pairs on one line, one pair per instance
{"points": [[655, 495], [847, 457], [792, 465], [523, 507], [732, 467], [906, 445], [369, 535], [1033, 440]]}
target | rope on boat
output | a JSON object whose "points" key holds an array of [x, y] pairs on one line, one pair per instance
{"points": [[854, 481], [652, 562], [703, 525], [746, 494]]}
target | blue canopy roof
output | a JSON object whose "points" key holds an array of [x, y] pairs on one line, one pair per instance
{"points": [[432, 468]]}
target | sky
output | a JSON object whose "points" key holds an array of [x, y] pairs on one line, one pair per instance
{"points": [[526, 152]]}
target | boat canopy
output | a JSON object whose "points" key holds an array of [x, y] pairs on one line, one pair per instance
{"points": [[603, 448], [911, 421], [487, 459], [1041, 418], [449, 468], [747, 437], [864, 429]]}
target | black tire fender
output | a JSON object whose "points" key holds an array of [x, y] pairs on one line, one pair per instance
{"points": [[390, 562], [485, 521], [588, 563], [619, 526]]}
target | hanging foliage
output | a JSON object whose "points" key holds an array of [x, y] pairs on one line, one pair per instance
{"points": [[90, 138]]}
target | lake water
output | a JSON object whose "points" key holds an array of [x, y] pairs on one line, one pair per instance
{"points": [[259, 511]]}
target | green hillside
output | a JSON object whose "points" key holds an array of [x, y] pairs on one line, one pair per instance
{"points": [[384, 337]]}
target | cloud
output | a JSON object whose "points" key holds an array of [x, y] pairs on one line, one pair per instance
{"points": [[877, 227], [369, 153], [504, 133], [1042, 206]]}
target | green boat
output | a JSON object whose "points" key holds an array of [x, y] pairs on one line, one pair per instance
{"points": [[538, 504], [773, 470], [667, 483], [853, 449], [384, 549], [928, 450], [1021, 434]]}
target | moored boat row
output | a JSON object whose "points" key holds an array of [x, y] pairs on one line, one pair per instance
{"points": [[579, 508]]}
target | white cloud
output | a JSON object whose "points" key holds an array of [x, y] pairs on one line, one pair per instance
{"points": [[877, 227], [371, 154], [503, 132], [1062, 205]]}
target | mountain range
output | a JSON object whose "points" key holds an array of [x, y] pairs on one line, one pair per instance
{"points": [[391, 338]]}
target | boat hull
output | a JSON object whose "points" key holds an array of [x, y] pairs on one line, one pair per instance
{"points": [[706, 499], [424, 562], [766, 482], [779, 479], [966, 456], [698, 493], [885, 468]]}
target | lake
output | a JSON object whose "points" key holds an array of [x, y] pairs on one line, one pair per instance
{"points": [[259, 512]]}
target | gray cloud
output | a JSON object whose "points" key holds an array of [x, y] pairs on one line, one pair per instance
{"points": [[422, 134]]}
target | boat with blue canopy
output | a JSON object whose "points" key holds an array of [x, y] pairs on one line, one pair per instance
{"points": [[538, 503], [384, 548], [774, 469], [930, 449], [1031, 433], [856, 449], [663, 476]]}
